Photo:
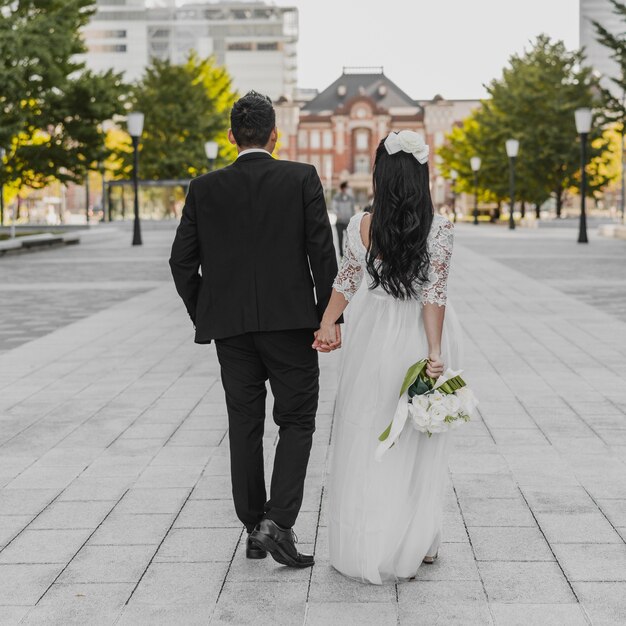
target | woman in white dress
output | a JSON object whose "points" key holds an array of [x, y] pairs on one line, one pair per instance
{"points": [[385, 516]]}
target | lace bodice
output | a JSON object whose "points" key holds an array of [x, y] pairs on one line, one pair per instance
{"points": [[440, 240]]}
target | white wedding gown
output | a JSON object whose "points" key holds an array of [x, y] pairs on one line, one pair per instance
{"points": [[384, 517]]}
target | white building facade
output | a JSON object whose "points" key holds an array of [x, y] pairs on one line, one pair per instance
{"points": [[254, 40], [598, 56]]}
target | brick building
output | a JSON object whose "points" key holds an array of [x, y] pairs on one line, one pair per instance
{"points": [[339, 128]]}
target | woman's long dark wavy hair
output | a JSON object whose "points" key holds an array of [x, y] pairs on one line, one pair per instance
{"points": [[402, 214]]}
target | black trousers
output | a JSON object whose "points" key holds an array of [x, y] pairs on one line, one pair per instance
{"points": [[341, 235], [286, 359]]}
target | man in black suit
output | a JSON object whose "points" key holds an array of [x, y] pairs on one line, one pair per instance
{"points": [[260, 233]]}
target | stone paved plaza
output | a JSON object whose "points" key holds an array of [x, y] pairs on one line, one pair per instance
{"points": [[114, 499]]}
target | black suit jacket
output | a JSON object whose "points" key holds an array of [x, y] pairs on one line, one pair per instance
{"points": [[260, 233]]}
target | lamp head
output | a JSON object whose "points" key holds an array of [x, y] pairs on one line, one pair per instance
{"points": [[512, 148], [454, 174], [134, 124], [475, 162], [583, 120], [211, 148]]}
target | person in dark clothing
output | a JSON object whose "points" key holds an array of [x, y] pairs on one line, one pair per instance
{"points": [[259, 232], [343, 207]]}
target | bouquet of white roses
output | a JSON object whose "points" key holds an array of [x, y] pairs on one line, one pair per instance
{"points": [[432, 406]]}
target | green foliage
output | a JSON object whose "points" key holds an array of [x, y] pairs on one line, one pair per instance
{"points": [[534, 101], [614, 110], [615, 107], [88, 101], [51, 109], [184, 106]]}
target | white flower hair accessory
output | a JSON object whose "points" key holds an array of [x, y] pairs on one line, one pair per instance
{"points": [[408, 141]]}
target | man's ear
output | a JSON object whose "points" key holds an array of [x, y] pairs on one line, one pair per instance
{"points": [[274, 135], [231, 137]]}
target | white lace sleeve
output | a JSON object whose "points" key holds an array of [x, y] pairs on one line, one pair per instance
{"points": [[435, 291], [350, 275]]}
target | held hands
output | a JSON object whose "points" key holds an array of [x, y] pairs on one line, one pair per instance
{"points": [[435, 366], [327, 338]]}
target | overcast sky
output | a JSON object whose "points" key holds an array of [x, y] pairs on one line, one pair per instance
{"points": [[428, 47], [451, 47]]}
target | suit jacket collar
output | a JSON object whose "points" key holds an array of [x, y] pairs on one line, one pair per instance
{"points": [[251, 156]]}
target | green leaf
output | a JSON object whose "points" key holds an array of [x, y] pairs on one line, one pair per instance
{"points": [[412, 375], [385, 433], [419, 387]]}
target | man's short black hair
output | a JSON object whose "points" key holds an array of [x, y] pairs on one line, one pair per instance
{"points": [[252, 120], [344, 185]]}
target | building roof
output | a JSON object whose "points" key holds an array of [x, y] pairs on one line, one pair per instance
{"points": [[353, 83]]}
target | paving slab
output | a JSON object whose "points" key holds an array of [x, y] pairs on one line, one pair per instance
{"points": [[80, 604], [544, 614], [525, 582]]}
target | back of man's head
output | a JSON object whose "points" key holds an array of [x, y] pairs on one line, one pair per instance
{"points": [[252, 120]]}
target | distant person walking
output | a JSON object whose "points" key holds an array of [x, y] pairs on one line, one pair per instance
{"points": [[343, 207]]}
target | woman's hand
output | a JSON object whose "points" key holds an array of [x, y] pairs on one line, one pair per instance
{"points": [[327, 338], [435, 366]]}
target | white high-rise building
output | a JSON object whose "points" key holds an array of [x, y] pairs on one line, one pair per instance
{"points": [[598, 56], [256, 41]]}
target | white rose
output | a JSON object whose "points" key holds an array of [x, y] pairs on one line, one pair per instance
{"points": [[453, 404], [467, 399], [410, 141], [421, 401], [436, 398], [438, 427], [438, 413], [419, 416]]}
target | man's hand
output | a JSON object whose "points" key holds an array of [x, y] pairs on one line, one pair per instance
{"points": [[327, 338]]}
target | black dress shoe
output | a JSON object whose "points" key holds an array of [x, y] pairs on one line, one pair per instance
{"points": [[280, 543], [253, 551]]}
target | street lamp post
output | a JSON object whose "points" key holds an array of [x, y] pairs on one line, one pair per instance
{"points": [[512, 148], [87, 194], [475, 163], [211, 149], [583, 126], [135, 129], [102, 169], [454, 175], [3, 153]]}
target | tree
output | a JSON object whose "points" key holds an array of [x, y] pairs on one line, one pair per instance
{"points": [[88, 101], [614, 106], [616, 43], [538, 95], [51, 109], [534, 101], [184, 106]]}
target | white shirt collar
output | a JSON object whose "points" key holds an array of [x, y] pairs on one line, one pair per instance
{"points": [[251, 150]]}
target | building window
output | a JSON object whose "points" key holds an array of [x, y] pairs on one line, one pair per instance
{"points": [[362, 165], [327, 139], [315, 161], [106, 34], [362, 140], [302, 139], [328, 167], [315, 139], [241, 45], [267, 46], [107, 48]]}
